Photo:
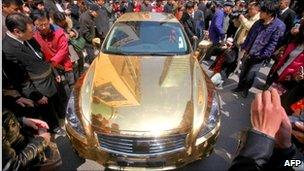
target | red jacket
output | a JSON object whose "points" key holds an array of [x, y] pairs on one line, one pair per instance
{"points": [[55, 47], [293, 67], [158, 9], [137, 7]]}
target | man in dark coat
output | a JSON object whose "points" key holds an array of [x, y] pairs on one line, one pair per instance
{"points": [[168, 8], [87, 29], [102, 20], [188, 22], [287, 15], [27, 70]]}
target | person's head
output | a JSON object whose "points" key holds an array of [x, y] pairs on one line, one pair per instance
{"points": [[238, 3], [38, 4], [159, 2], [268, 10], [147, 2], [189, 7], [100, 2], [20, 26], [284, 4], [253, 8], [42, 22], [11, 6], [170, 1], [93, 8], [59, 19], [195, 7], [228, 6], [10, 126]]}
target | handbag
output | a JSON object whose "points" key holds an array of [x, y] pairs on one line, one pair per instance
{"points": [[78, 43]]}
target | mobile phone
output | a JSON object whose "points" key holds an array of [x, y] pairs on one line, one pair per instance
{"points": [[297, 25]]}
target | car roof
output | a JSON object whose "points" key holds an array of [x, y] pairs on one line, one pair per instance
{"points": [[147, 16]]}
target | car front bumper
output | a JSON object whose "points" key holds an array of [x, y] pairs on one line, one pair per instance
{"points": [[168, 161]]}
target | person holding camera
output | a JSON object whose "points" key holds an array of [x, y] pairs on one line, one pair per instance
{"points": [[259, 45], [268, 144], [244, 24]]}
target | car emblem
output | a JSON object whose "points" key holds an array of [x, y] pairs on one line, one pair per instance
{"points": [[141, 147]]}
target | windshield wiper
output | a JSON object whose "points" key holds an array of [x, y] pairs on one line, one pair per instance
{"points": [[145, 53], [154, 54]]}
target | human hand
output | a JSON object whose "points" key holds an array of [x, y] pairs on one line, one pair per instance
{"points": [[43, 100], [241, 17], [46, 136], [195, 37], [34, 123], [283, 136], [72, 34], [294, 30], [299, 131], [266, 112], [25, 102], [67, 11], [58, 78]]}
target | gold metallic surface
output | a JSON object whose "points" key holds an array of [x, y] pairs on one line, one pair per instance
{"points": [[143, 98]]}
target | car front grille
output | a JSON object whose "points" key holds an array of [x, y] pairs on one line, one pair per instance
{"points": [[132, 146]]}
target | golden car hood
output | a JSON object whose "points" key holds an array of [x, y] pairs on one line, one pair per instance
{"points": [[141, 94]]}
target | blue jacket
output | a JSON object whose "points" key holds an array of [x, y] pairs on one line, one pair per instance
{"points": [[216, 29], [263, 39]]}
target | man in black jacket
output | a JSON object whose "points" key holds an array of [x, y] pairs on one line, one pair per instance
{"points": [[26, 69], [287, 15], [87, 29], [188, 22], [102, 20], [168, 8], [271, 128]]}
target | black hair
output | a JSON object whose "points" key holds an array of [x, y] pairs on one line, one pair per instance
{"points": [[254, 3], [40, 15], [189, 5], [17, 21], [36, 3], [270, 8], [10, 2], [58, 17]]}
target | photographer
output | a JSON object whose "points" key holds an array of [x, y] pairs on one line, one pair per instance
{"points": [[23, 151], [244, 25], [259, 45], [268, 144]]}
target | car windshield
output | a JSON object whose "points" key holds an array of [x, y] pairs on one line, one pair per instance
{"points": [[146, 38]]}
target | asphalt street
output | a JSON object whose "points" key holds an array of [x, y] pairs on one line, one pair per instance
{"points": [[235, 119]]}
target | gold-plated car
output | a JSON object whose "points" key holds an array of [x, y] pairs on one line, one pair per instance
{"points": [[145, 102]]}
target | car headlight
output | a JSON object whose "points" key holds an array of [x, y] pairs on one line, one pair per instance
{"points": [[212, 121], [71, 116]]}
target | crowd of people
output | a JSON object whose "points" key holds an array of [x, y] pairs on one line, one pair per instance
{"points": [[48, 44]]}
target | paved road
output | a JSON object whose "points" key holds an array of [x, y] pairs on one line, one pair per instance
{"points": [[235, 118]]}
